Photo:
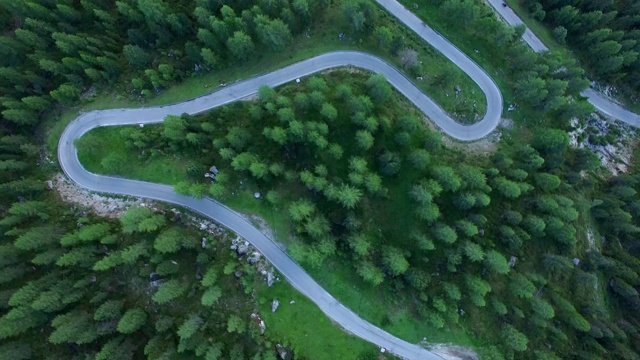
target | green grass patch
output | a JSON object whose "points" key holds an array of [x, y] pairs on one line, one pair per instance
{"points": [[304, 328], [383, 306], [104, 151]]}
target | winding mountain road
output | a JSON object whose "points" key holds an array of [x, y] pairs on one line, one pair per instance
{"points": [[600, 102], [68, 157]]}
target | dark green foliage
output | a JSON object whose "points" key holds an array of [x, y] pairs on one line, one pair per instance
{"points": [[361, 14], [604, 35], [447, 222], [521, 287], [514, 338], [132, 320], [91, 277]]}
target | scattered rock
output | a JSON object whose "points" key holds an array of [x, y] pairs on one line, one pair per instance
{"points": [[203, 244], [292, 302], [243, 248], [457, 89], [576, 261], [284, 353], [238, 274], [155, 280], [591, 239], [102, 205], [176, 214], [270, 278], [612, 141], [254, 257], [274, 305], [461, 312], [512, 261], [256, 195], [49, 184], [260, 323], [507, 123]]}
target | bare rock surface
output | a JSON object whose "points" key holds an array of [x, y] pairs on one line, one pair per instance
{"points": [[612, 141], [103, 205]]}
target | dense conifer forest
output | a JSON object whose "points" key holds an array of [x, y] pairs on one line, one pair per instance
{"points": [[531, 248], [604, 33]]}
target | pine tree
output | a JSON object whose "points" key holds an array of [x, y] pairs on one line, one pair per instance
{"points": [[514, 338], [496, 262], [236, 324], [109, 310], [169, 290], [521, 287], [132, 320], [190, 326], [370, 273], [395, 261]]}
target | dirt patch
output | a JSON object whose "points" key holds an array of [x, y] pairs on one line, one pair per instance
{"points": [[485, 146], [507, 123], [103, 205], [264, 228], [251, 98], [347, 69], [454, 352]]}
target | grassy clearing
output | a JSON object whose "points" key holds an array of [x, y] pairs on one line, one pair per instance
{"points": [[103, 143], [305, 329], [322, 37]]}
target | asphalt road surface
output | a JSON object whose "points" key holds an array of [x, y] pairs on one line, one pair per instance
{"points": [[600, 102]]}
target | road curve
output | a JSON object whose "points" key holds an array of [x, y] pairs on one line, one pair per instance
{"points": [[473, 70], [601, 103], [68, 158]]}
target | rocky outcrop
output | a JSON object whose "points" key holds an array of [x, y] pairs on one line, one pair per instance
{"points": [[256, 318], [284, 353]]}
